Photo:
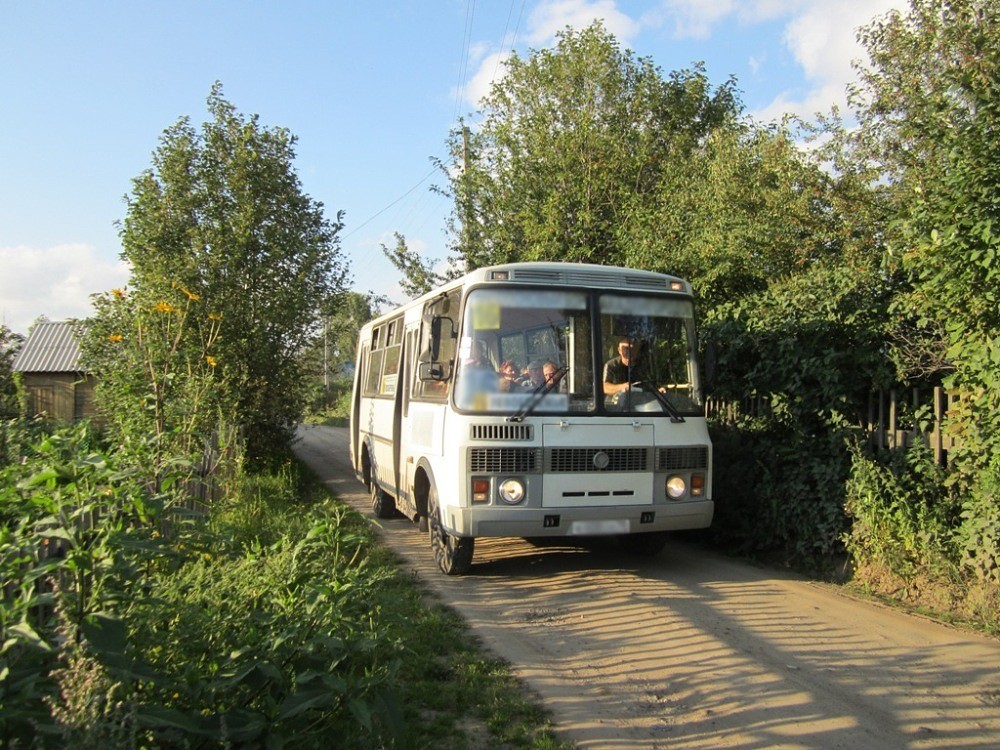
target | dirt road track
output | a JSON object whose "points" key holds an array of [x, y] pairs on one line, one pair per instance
{"points": [[692, 650]]}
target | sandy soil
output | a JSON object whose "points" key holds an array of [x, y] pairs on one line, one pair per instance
{"points": [[692, 650]]}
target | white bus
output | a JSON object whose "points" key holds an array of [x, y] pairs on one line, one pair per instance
{"points": [[454, 424]]}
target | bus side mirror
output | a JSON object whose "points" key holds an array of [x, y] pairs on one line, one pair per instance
{"points": [[433, 371], [437, 332]]}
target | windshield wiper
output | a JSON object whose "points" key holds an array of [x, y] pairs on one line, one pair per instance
{"points": [[668, 407], [541, 391]]}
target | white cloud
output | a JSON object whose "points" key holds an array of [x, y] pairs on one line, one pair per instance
{"points": [[552, 16], [691, 19], [490, 69], [547, 19], [697, 19], [56, 282], [822, 37]]}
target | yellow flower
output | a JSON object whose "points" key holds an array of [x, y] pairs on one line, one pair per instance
{"points": [[212, 361], [119, 293], [164, 307], [214, 316], [116, 337], [191, 295]]}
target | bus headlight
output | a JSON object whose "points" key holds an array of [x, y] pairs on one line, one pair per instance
{"points": [[511, 491], [676, 487]]}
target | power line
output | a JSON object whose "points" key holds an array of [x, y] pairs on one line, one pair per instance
{"points": [[463, 68], [513, 40], [372, 218]]}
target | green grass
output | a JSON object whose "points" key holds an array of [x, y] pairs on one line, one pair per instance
{"points": [[276, 620], [451, 691]]}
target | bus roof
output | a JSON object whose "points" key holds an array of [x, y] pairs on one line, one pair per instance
{"points": [[581, 275], [577, 275]]}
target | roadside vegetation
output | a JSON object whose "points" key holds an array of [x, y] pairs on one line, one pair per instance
{"points": [[270, 619]]}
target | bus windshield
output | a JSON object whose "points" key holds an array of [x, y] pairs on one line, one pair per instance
{"points": [[534, 349], [650, 356]]}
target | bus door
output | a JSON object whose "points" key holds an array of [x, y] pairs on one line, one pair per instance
{"points": [[402, 457]]}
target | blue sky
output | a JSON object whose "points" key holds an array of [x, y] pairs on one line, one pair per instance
{"points": [[370, 90]]}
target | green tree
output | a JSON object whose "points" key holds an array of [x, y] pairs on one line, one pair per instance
{"points": [[572, 149], [329, 360], [221, 215], [929, 109], [10, 344], [417, 275], [929, 112], [587, 153], [749, 207], [159, 389]]}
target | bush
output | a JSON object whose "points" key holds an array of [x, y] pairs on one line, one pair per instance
{"points": [[126, 624], [902, 515], [779, 493]]}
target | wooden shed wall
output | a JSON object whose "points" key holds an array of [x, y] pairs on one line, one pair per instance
{"points": [[64, 396]]}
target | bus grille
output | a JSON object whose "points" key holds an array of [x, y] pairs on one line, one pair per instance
{"points": [[688, 457], [575, 460], [501, 432], [503, 460]]}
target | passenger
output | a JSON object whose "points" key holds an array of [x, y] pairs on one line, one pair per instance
{"points": [[553, 374], [509, 380], [476, 378], [536, 374]]}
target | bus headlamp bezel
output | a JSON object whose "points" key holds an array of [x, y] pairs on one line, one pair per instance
{"points": [[675, 487], [512, 491]]}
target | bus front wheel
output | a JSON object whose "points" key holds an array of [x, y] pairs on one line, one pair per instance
{"points": [[453, 554]]}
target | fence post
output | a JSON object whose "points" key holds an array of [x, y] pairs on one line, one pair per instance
{"points": [[936, 436]]}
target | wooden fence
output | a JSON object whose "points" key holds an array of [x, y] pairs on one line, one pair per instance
{"points": [[889, 423]]}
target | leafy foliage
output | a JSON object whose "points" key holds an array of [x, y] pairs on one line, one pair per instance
{"points": [[273, 621], [221, 216], [902, 514], [160, 390], [10, 344], [810, 348], [572, 150], [930, 112], [114, 615]]}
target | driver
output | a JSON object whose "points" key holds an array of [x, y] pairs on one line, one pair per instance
{"points": [[621, 370]]}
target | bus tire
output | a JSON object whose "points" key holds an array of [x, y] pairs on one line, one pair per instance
{"points": [[453, 554], [644, 544], [383, 506]]}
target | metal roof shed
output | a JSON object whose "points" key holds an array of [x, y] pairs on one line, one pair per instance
{"points": [[54, 381]]}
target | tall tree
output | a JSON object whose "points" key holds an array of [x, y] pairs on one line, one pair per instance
{"points": [[10, 344], [221, 216], [929, 110], [573, 142]]}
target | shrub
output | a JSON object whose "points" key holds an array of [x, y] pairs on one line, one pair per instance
{"points": [[125, 623]]}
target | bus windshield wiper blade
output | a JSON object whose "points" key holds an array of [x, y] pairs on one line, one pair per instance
{"points": [[668, 407], [540, 392]]}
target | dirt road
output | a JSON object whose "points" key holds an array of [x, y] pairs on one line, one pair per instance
{"points": [[692, 650]]}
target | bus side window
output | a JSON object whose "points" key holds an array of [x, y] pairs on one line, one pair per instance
{"points": [[374, 363], [393, 344]]}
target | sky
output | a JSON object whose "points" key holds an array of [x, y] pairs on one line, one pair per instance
{"points": [[371, 91]]}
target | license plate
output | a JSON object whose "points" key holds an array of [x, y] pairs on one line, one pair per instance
{"points": [[598, 528]]}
